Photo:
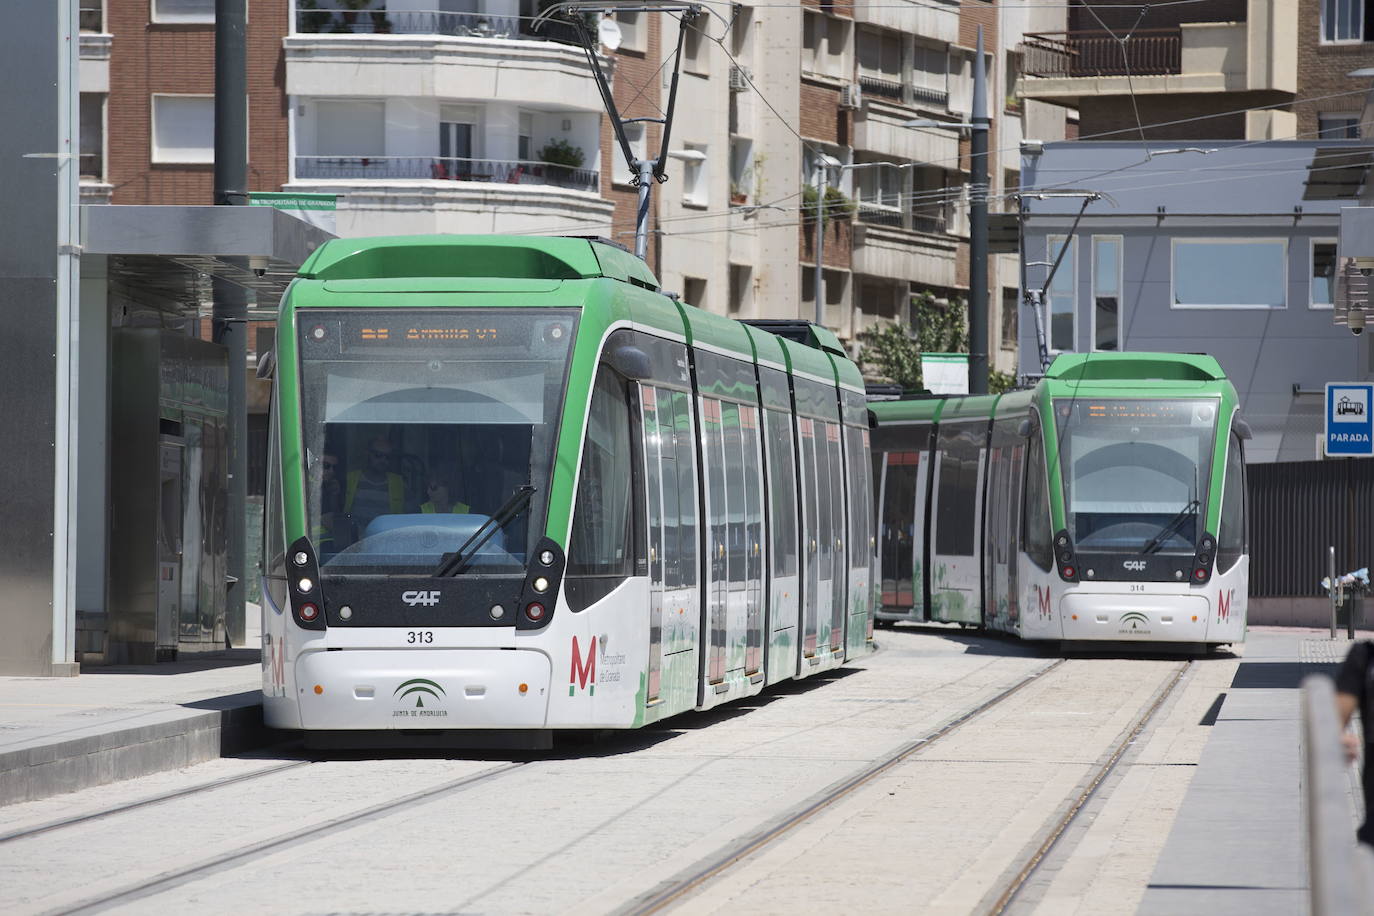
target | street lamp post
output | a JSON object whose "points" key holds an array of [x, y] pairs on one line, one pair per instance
{"points": [[823, 162]]}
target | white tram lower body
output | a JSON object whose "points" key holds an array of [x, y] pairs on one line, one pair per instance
{"points": [[1151, 612], [593, 669]]}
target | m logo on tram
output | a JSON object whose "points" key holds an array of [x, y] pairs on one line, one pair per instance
{"points": [[583, 673]]}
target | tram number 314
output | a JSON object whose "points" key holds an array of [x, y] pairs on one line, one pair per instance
{"points": [[419, 636]]}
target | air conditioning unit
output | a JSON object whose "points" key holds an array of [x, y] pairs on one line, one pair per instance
{"points": [[851, 95], [739, 78]]}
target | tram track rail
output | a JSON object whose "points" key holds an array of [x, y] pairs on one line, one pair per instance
{"points": [[697, 876], [998, 900], [49, 826], [237, 857]]}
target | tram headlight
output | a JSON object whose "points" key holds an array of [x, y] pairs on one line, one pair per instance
{"points": [[546, 557], [304, 586], [541, 585], [301, 558]]}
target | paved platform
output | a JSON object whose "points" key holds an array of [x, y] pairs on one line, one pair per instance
{"points": [[120, 722], [1238, 843]]}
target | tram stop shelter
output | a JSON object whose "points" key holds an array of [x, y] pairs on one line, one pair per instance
{"points": [[147, 437]]}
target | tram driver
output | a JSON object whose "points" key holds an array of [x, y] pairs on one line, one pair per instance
{"points": [[375, 490]]}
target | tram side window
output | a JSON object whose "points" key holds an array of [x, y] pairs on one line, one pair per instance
{"points": [[1231, 537], [782, 475], [660, 534], [734, 492], [685, 446], [753, 485], [1036, 534], [601, 549], [956, 530], [859, 501], [899, 525]]}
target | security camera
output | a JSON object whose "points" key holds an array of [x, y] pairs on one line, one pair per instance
{"points": [[1354, 320], [259, 265]]}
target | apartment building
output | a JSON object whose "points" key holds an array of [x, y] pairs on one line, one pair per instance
{"points": [[147, 100], [1210, 70], [472, 116], [840, 83]]}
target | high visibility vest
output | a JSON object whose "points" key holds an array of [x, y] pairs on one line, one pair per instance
{"points": [[395, 487], [458, 508]]}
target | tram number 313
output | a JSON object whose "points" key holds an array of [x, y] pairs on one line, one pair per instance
{"points": [[419, 636]]}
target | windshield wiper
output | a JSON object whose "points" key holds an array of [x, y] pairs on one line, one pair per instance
{"points": [[458, 561], [1170, 527]]}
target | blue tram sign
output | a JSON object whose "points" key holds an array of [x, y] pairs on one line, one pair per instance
{"points": [[1349, 426]]}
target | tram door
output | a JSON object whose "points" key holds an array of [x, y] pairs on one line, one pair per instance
{"points": [[653, 484], [806, 430], [836, 491], [751, 467], [717, 585]]}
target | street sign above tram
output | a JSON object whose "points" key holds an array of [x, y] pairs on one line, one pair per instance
{"points": [[1349, 426]]}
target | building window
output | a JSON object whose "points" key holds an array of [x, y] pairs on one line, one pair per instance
{"points": [[525, 142], [1106, 293], [741, 170], [740, 275], [631, 33], [1060, 304], [695, 178], [930, 75], [1230, 273], [1323, 275], [92, 136], [91, 15], [1338, 125], [1011, 303], [693, 58], [1346, 20], [824, 41], [348, 127], [694, 291], [880, 62], [183, 128], [740, 31], [178, 11]]}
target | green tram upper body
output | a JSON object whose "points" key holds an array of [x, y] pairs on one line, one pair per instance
{"points": [[608, 286], [1083, 376]]}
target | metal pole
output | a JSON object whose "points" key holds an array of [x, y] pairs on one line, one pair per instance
{"points": [[978, 230], [645, 168], [1350, 551], [1331, 573], [820, 242], [231, 301]]}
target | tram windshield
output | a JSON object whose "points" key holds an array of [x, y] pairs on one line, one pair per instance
{"points": [[1135, 471], [419, 426]]}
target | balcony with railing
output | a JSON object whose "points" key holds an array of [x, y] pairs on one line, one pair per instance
{"points": [[1194, 57], [491, 54], [310, 20], [1144, 52], [91, 16], [904, 242], [446, 168]]}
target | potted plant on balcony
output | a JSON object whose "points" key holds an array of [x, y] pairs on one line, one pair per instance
{"points": [[350, 9], [313, 19], [562, 158]]}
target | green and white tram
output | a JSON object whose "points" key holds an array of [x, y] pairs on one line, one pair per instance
{"points": [[514, 487], [1105, 504]]}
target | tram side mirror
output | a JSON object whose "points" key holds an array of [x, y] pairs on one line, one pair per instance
{"points": [[267, 364], [631, 362], [1242, 428], [1025, 428]]}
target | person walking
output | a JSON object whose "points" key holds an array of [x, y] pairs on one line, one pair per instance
{"points": [[1355, 690]]}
